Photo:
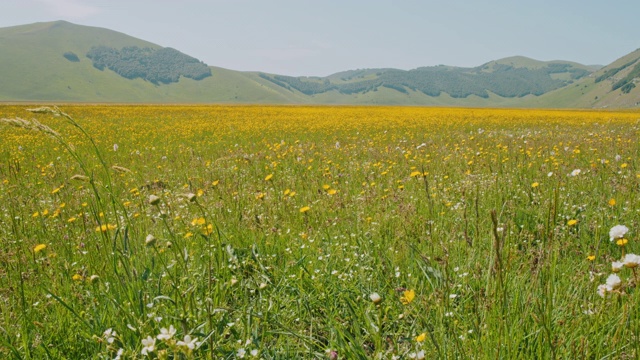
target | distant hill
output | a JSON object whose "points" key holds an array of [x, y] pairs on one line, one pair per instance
{"points": [[48, 62], [507, 78], [616, 85], [63, 62]]}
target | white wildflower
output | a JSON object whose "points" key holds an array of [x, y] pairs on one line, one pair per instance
{"points": [[110, 335], [616, 266], [602, 290], [149, 345], [119, 354], [631, 260], [613, 281], [188, 342], [618, 232], [166, 334]]}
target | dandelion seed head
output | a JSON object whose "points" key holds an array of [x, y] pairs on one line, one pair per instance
{"points": [[613, 281], [617, 232], [375, 298], [631, 260]]}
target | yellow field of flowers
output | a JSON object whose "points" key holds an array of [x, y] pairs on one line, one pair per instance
{"points": [[318, 232]]}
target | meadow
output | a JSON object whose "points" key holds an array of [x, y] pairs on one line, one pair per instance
{"points": [[276, 232]]}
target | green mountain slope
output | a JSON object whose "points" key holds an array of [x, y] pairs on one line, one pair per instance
{"points": [[508, 78], [613, 86], [59, 61], [37, 70]]}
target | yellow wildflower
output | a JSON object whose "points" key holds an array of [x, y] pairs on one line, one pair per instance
{"points": [[198, 221], [105, 227], [407, 297], [622, 242], [207, 230]]}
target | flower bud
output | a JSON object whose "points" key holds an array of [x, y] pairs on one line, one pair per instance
{"points": [[154, 200], [376, 298], [150, 240]]}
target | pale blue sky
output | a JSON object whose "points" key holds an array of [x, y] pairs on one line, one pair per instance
{"points": [[321, 37]]}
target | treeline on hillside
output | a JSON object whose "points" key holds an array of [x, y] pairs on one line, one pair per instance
{"points": [[164, 66], [503, 80], [625, 84], [611, 72]]}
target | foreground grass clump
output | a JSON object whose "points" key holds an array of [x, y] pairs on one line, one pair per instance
{"points": [[318, 232]]}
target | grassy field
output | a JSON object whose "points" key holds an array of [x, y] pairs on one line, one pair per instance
{"points": [[225, 232]]}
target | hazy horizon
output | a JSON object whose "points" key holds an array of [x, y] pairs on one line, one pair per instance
{"points": [[318, 39]]}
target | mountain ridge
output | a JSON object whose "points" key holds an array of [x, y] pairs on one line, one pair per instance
{"points": [[49, 62]]}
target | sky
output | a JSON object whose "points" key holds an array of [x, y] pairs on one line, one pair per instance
{"points": [[322, 37]]}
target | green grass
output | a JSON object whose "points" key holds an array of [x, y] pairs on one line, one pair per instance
{"points": [[471, 210]]}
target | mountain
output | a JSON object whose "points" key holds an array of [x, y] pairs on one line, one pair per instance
{"points": [[510, 78], [63, 62], [613, 86], [48, 62]]}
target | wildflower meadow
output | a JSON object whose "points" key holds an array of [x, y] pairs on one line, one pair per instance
{"points": [[294, 232]]}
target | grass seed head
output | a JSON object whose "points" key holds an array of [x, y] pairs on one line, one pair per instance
{"points": [[154, 200], [150, 240]]}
